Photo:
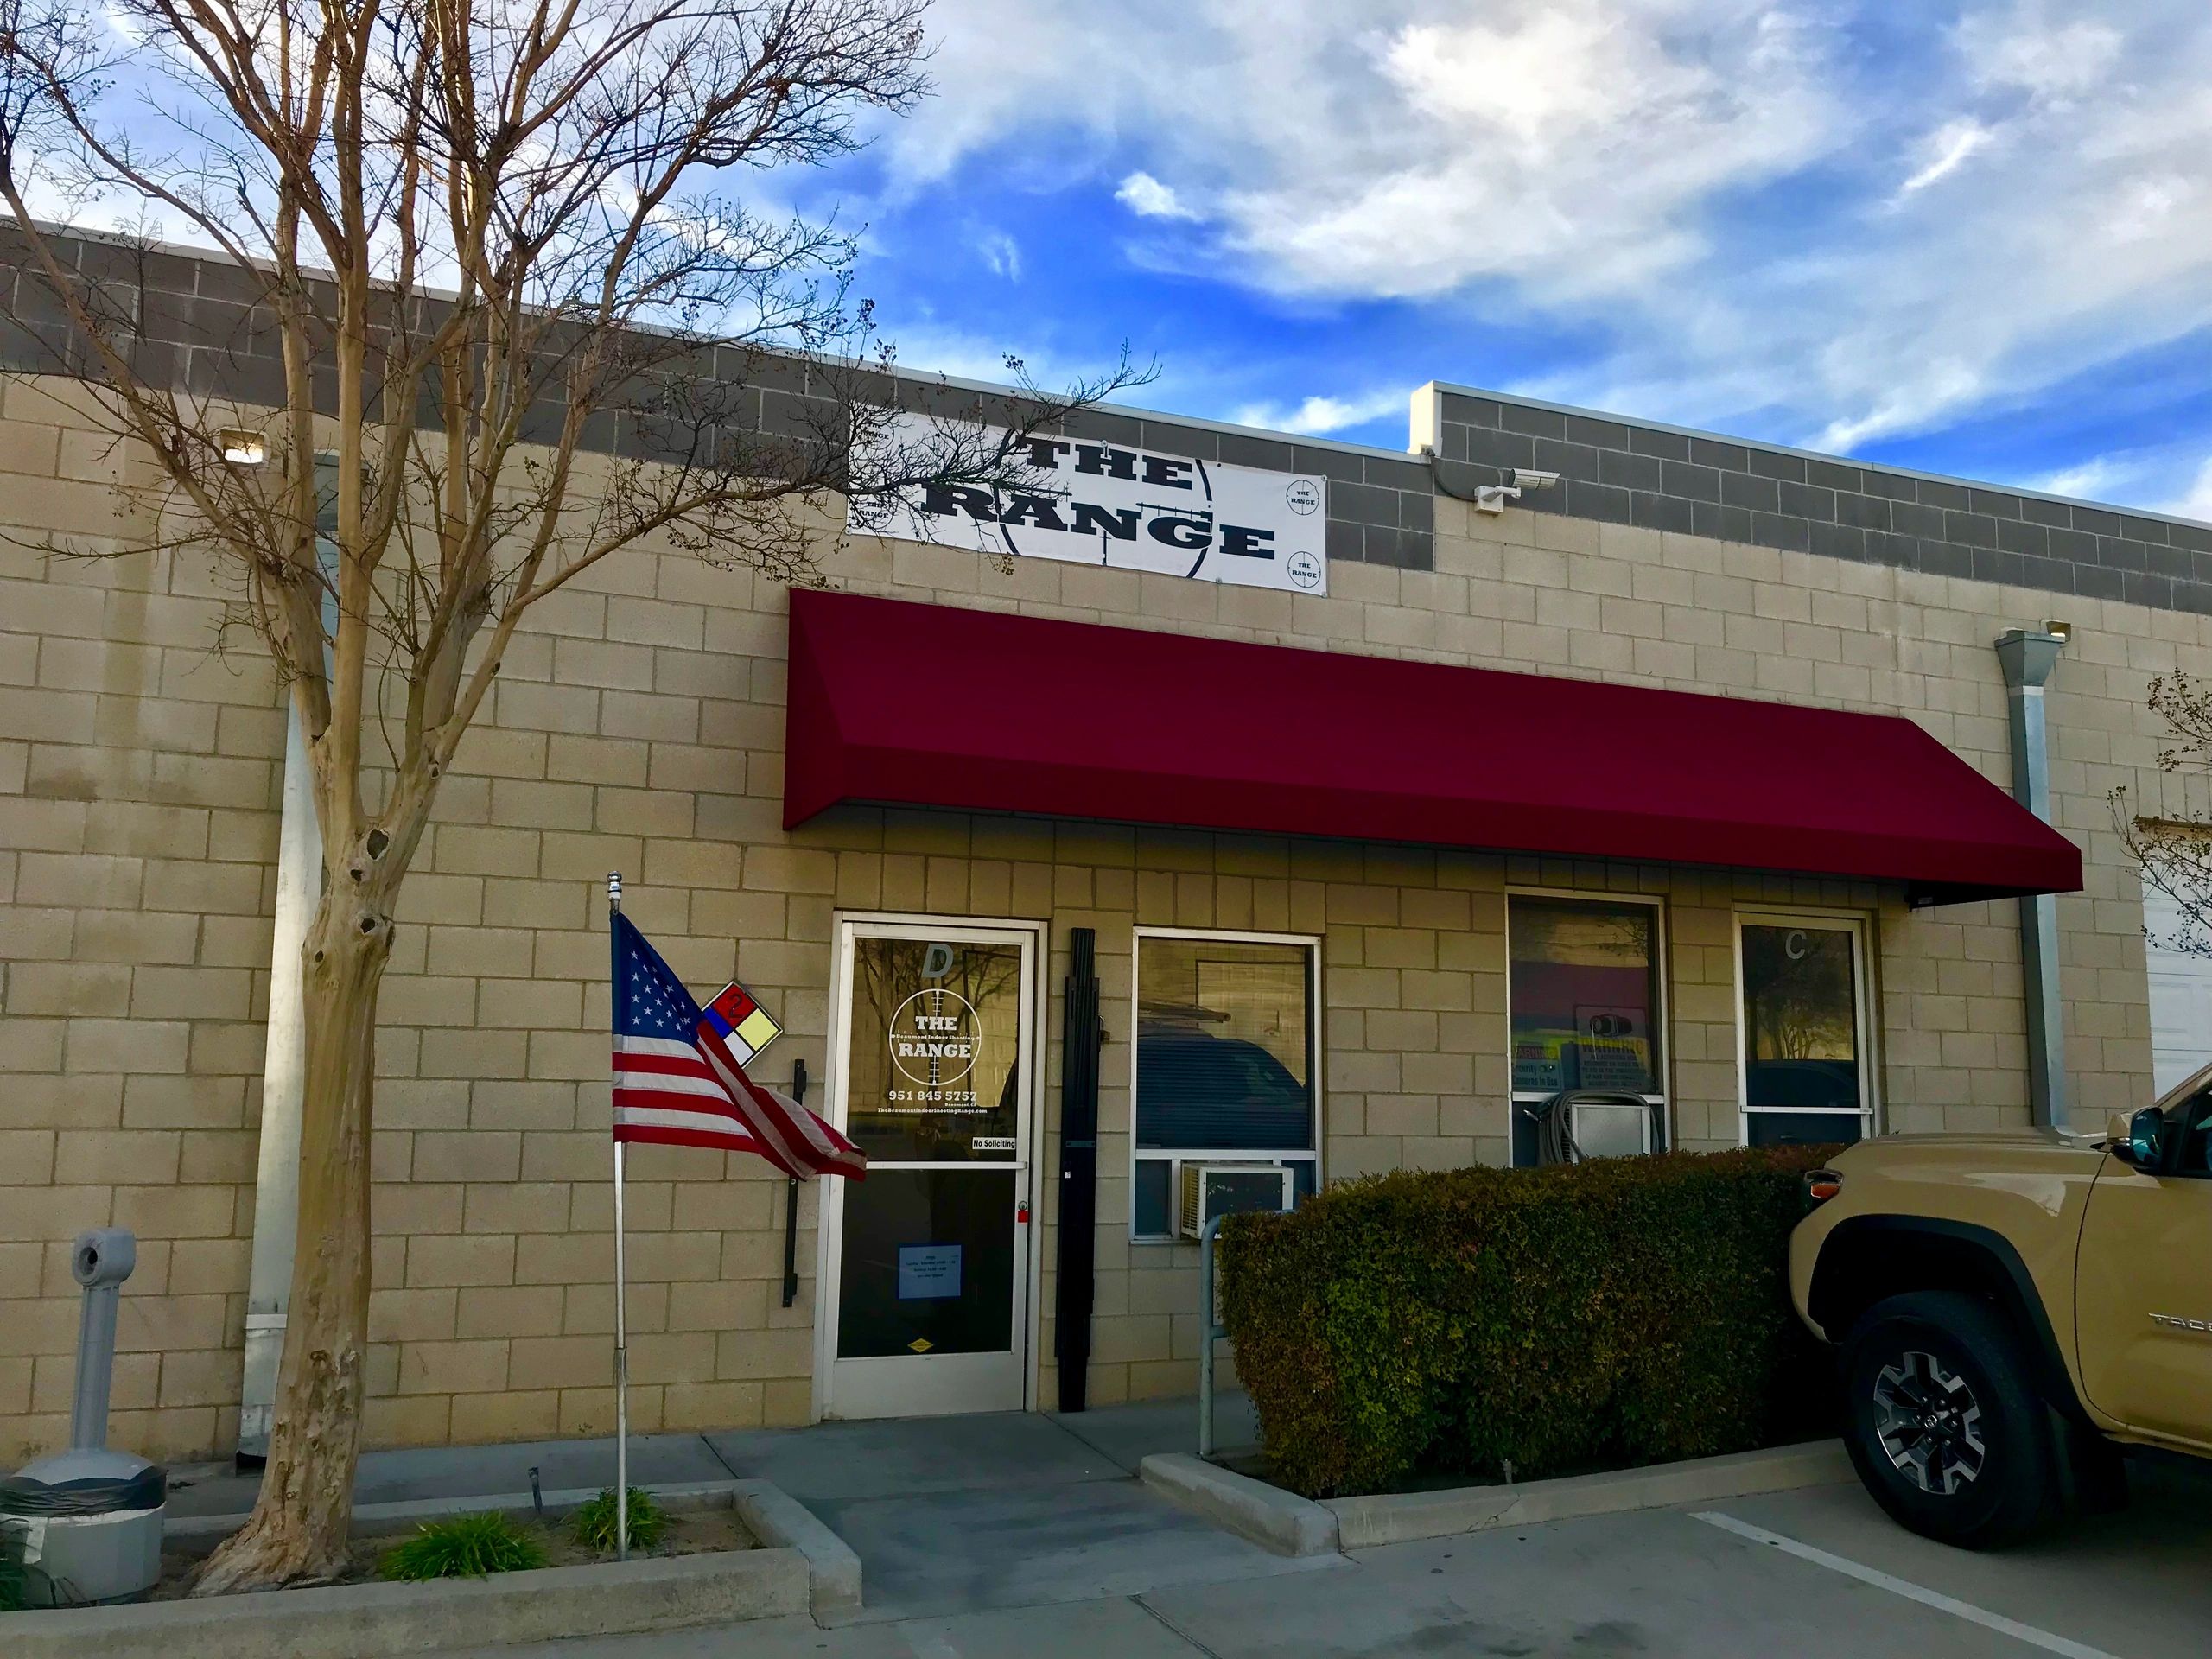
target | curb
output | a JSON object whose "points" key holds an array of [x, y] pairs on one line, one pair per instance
{"points": [[368, 1621], [1397, 1518], [1269, 1516], [781, 1522], [1290, 1525]]}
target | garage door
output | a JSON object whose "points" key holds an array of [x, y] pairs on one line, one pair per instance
{"points": [[2181, 997]]}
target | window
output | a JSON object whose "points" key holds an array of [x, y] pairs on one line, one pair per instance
{"points": [[1583, 1004], [1804, 1067], [1224, 1062]]}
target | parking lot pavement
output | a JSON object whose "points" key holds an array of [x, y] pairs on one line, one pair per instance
{"points": [[2137, 1583], [1814, 1574]]}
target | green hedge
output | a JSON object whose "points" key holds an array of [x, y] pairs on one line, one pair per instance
{"points": [[1611, 1313]]}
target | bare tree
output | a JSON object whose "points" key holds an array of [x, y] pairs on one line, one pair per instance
{"points": [[514, 333], [2174, 848]]}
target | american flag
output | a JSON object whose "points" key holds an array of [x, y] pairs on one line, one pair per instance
{"points": [[676, 1082]]}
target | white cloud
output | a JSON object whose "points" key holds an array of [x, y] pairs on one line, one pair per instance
{"points": [[1322, 415], [2094, 480], [1147, 198], [1001, 254], [1944, 151], [1730, 201], [2018, 46], [1564, 145], [2197, 502]]}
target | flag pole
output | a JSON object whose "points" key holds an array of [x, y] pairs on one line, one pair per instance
{"points": [[621, 1346]]}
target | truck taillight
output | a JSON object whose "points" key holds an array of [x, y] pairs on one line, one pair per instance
{"points": [[1822, 1185]]}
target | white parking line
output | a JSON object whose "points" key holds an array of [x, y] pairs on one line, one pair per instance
{"points": [[1911, 1592]]}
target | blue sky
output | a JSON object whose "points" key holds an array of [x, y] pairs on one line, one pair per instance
{"points": [[1968, 236]]}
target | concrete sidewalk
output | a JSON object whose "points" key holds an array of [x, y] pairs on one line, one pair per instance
{"points": [[949, 1515], [835, 1460]]}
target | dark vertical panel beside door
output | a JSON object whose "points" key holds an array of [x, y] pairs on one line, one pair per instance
{"points": [[1079, 1169]]}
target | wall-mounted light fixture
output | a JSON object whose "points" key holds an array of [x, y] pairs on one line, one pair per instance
{"points": [[2061, 632], [242, 447]]}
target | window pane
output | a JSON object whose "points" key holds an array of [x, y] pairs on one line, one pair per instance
{"points": [[1805, 1129], [1801, 1017], [928, 1260], [1584, 991], [1225, 1053], [936, 1051], [1154, 1192]]}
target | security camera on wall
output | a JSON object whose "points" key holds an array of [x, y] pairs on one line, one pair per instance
{"points": [[1492, 497]]}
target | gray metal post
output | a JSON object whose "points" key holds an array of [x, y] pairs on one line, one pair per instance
{"points": [[101, 1261], [621, 1333], [1209, 1333], [2028, 657]]}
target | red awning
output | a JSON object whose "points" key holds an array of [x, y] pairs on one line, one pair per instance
{"points": [[929, 705]]}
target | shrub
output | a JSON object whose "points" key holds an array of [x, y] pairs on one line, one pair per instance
{"points": [[1614, 1312], [594, 1520], [467, 1546]]}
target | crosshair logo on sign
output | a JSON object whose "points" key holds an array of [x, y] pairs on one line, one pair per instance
{"points": [[933, 1038], [1303, 496], [1304, 569]]}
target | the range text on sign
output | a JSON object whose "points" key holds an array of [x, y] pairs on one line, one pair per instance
{"points": [[1105, 503]]}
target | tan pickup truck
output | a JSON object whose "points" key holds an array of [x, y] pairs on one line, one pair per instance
{"points": [[2014, 1309]]}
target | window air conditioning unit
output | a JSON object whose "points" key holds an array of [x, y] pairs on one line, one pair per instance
{"points": [[1611, 1128], [1210, 1190]]}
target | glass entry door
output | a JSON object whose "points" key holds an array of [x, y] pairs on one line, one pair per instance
{"points": [[927, 1290], [1806, 1075]]}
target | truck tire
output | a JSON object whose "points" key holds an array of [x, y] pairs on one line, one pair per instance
{"points": [[1942, 1423]]}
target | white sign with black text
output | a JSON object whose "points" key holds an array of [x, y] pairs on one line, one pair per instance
{"points": [[1105, 503]]}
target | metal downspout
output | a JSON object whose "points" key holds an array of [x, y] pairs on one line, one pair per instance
{"points": [[284, 1055], [284, 1071], [2028, 657]]}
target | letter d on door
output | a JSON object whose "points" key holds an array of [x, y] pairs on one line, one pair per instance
{"points": [[937, 962]]}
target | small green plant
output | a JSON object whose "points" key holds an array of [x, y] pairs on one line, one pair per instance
{"points": [[467, 1546], [14, 1581], [594, 1520]]}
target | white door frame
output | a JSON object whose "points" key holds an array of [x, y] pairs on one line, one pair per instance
{"points": [[1861, 927], [1033, 937]]}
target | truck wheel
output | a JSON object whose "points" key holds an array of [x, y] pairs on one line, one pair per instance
{"points": [[1942, 1424]]}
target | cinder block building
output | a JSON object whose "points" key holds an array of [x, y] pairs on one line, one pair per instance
{"points": [[1686, 778]]}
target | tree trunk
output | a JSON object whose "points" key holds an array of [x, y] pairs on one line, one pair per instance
{"points": [[298, 1532]]}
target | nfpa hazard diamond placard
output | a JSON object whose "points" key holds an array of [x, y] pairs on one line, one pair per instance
{"points": [[742, 1022]]}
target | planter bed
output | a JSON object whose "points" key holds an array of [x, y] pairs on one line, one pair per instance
{"points": [[697, 1526], [735, 1551]]}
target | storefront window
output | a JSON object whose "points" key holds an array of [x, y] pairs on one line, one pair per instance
{"points": [[1583, 999], [1225, 1064], [1805, 1082]]}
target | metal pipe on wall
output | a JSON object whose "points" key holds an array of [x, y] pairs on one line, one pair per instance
{"points": [[284, 1052], [284, 1072], [2027, 656]]}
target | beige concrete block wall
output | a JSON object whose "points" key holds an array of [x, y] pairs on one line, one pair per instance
{"points": [[637, 725]]}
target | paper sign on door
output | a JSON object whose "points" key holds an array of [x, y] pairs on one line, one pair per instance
{"points": [[929, 1272]]}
